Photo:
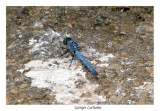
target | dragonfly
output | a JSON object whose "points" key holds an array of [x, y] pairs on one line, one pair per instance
{"points": [[74, 49]]}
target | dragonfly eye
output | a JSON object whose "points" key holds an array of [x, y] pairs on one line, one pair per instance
{"points": [[65, 41]]}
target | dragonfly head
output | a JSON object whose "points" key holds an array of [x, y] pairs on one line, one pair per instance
{"points": [[65, 41]]}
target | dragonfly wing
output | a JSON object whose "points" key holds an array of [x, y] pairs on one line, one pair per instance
{"points": [[80, 56]]}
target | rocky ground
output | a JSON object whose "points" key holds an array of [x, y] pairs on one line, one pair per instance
{"points": [[117, 41]]}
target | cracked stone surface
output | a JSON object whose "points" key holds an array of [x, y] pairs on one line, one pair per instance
{"points": [[117, 42]]}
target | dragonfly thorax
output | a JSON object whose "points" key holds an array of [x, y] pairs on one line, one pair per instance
{"points": [[73, 46]]}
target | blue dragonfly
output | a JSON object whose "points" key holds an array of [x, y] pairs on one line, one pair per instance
{"points": [[73, 48]]}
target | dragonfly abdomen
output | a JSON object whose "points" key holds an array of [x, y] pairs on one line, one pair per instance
{"points": [[80, 56]]}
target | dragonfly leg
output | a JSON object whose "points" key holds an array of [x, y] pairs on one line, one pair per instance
{"points": [[63, 53], [71, 62]]}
